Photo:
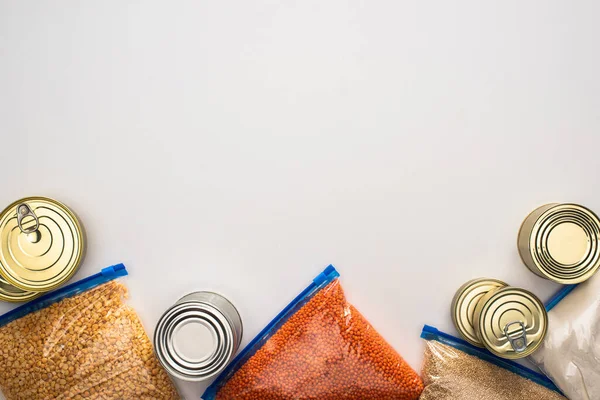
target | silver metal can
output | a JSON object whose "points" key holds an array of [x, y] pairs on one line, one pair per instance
{"points": [[198, 336]]}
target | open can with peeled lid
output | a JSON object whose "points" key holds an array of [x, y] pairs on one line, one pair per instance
{"points": [[42, 245]]}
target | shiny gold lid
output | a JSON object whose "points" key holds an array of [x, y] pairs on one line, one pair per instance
{"points": [[511, 322], [10, 293], [463, 306], [41, 244], [560, 242]]}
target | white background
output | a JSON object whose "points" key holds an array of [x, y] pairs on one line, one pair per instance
{"points": [[241, 146]]}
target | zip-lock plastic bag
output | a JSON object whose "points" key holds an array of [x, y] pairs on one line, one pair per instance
{"points": [[80, 342], [454, 369], [570, 353], [318, 347]]}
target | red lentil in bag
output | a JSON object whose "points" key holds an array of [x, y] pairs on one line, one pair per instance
{"points": [[318, 347]]}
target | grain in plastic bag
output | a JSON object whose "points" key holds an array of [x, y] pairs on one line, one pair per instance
{"points": [[570, 352], [80, 342], [456, 370], [318, 347]]}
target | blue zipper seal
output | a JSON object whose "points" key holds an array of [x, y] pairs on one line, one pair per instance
{"points": [[431, 333], [320, 281], [105, 275], [558, 296]]}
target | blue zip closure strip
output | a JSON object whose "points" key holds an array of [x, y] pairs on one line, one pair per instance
{"points": [[320, 281], [558, 296], [431, 333], [105, 275]]}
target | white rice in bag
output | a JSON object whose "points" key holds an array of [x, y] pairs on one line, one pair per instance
{"points": [[570, 354]]}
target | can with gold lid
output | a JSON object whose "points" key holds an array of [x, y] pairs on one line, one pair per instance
{"points": [[41, 244], [510, 322], [560, 242], [463, 306], [13, 294]]}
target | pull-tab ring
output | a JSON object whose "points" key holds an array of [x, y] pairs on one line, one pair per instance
{"points": [[23, 210], [518, 339]]}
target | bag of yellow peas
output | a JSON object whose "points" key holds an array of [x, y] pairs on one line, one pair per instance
{"points": [[80, 342]]}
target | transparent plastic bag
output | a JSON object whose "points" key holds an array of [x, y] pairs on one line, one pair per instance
{"points": [[570, 353], [318, 347], [80, 342], [455, 370]]}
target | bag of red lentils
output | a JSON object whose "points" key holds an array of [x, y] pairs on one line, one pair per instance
{"points": [[318, 347]]}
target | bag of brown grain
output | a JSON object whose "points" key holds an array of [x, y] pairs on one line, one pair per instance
{"points": [[318, 347], [456, 370], [80, 342]]}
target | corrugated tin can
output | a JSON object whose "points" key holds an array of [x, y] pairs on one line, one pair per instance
{"points": [[510, 322], [463, 306], [41, 245], [198, 336], [560, 242]]}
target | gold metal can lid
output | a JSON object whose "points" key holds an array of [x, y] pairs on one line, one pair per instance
{"points": [[561, 242], [463, 306], [41, 244], [13, 294], [511, 322]]}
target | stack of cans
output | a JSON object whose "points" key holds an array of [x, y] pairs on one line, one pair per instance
{"points": [[557, 241], [510, 322]]}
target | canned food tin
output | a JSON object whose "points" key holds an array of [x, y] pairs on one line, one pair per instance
{"points": [[560, 242], [511, 322], [41, 244], [197, 337], [10, 293], [463, 306]]}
